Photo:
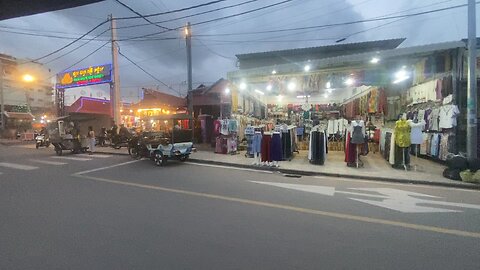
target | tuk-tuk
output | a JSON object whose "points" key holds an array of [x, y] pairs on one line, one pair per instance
{"points": [[176, 142], [65, 136]]}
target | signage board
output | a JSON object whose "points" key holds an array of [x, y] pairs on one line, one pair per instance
{"points": [[86, 76]]}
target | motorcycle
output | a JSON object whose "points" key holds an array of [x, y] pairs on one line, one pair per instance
{"points": [[118, 141], [41, 140]]}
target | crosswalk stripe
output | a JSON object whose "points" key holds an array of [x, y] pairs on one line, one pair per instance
{"points": [[48, 162], [72, 158], [17, 166], [94, 155]]}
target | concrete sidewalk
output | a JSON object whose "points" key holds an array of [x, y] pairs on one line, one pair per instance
{"points": [[15, 142], [375, 167]]}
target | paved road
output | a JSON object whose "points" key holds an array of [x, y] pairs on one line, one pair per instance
{"points": [[109, 212]]}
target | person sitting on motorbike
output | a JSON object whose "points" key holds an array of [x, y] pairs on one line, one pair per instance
{"points": [[123, 132]]}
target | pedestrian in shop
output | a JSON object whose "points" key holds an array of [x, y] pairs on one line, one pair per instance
{"points": [[91, 139]]}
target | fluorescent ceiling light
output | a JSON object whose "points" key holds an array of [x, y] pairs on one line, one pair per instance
{"points": [[227, 90], [349, 81], [274, 72], [269, 87], [375, 60], [243, 86], [307, 68], [291, 86], [328, 85], [303, 96], [259, 92]]}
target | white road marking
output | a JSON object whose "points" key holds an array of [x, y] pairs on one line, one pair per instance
{"points": [[48, 162], [17, 166], [293, 208], [333, 178], [28, 146], [95, 155], [227, 167], [393, 199], [104, 168], [72, 158]]}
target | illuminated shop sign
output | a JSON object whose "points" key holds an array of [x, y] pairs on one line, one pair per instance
{"points": [[86, 76]]}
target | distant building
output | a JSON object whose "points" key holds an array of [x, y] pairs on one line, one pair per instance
{"points": [[37, 95]]}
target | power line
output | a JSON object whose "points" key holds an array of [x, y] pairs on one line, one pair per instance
{"points": [[192, 15], [212, 20], [148, 73], [173, 11], [143, 17], [212, 51], [76, 48], [69, 44], [79, 61], [340, 24], [40, 35]]}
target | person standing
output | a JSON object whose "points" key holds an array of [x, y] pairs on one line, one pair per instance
{"points": [[91, 139]]}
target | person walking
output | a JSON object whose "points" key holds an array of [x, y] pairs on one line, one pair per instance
{"points": [[91, 139]]}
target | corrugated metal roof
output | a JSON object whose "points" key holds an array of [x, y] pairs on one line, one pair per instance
{"points": [[344, 60], [328, 49]]}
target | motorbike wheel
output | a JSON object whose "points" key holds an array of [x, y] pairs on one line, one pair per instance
{"points": [[117, 146], [58, 151], [37, 145], [160, 160], [47, 145], [183, 158]]}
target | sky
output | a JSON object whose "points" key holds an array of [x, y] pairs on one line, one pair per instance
{"points": [[215, 44]]}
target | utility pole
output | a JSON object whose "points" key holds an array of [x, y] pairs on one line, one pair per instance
{"points": [[472, 83], [2, 101], [188, 41], [115, 84]]}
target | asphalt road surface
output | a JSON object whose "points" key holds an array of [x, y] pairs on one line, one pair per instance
{"points": [[110, 212]]}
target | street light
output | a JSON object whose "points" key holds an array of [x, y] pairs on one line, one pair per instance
{"points": [[28, 78]]}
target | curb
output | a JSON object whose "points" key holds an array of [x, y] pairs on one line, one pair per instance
{"points": [[337, 175]]}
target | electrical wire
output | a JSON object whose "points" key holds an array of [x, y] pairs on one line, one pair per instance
{"points": [[212, 20], [215, 53], [173, 11], [192, 15], [76, 48], [69, 44], [41, 35], [148, 73], [342, 23], [79, 61], [142, 16]]}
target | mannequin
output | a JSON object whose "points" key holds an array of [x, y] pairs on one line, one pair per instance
{"points": [[357, 134], [402, 138], [257, 147], [416, 136]]}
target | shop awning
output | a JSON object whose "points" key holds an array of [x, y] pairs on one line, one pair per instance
{"points": [[90, 105], [19, 115], [323, 65]]}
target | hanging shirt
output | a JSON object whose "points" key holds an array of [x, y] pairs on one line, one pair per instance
{"points": [[416, 136], [448, 116], [224, 127], [402, 133], [433, 119], [232, 125]]}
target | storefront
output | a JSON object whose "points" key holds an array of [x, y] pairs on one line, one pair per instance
{"points": [[360, 98], [154, 103]]}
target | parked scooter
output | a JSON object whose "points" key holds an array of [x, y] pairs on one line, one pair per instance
{"points": [[41, 140]]}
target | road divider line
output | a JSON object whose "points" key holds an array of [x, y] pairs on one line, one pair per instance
{"points": [[393, 184], [48, 162], [72, 158], [364, 219], [104, 168], [94, 155], [17, 166], [227, 167]]}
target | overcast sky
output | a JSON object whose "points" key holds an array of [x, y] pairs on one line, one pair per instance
{"points": [[213, 51]]}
